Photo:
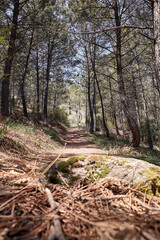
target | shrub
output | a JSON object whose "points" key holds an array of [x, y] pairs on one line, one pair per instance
{"points": [[59, 114]]}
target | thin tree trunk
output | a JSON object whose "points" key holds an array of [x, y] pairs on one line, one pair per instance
{"points": [[86, 108], [145, 105], [37, 70], [89, 94], [113, 106], [93, 59], [8, 62], [23, 79], [49, 61], [94, 103], [156, 11], [131, 122], [136, 100]]}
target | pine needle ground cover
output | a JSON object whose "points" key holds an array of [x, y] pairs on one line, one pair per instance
{"points": [[92, 208]]}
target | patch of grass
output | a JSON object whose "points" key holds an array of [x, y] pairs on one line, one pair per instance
{"points": [[54, 135], [121, 147], [22, 127]]}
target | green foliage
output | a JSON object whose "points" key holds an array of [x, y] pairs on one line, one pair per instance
{"points": [[116, 146], [22, 127], [58, 114], [54, 135]]}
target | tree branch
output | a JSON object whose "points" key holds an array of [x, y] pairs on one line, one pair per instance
{"points": [[111, 29]]}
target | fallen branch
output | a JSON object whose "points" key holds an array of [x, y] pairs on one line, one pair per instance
{"points": [[55, 230], [51, 164]]}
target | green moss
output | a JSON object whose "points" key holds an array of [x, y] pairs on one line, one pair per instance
{"points": [[145, 188], [73, 179], [150, 172], [88, 168], [101, 173], [53, 178], [121, 163], [151, 186], [77, 165], [128, 166], [63, 167], [77, 158], [155, 170]]}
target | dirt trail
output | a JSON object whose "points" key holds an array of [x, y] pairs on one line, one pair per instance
{"points": [[77, 144]]}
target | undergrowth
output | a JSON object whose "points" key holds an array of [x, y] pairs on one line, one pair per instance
{"points": [[121, 147]]}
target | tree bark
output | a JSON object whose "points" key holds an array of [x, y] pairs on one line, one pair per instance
{"points": [[37, 70], [99, 91], [145, 105], [8, 62], [156, 13], [49, 61], [89, 94], [131, 122], [114, 109], [25, 112]]}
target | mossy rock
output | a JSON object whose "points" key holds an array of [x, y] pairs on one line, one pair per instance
{"points": [[53, 177]]}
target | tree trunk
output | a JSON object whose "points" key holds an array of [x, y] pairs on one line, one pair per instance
{"points": [[145, 105], [94, 103], [8, 62], [89, 94], [156, 6], [93, 59], [49, 61], [23, 79], [114, 109], [37, 70], [131, 122]]}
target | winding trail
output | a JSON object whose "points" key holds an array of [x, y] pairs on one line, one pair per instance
{"points": [[78, 144]]}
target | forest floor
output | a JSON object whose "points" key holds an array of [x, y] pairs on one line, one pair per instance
{"points": [[100, 196]]}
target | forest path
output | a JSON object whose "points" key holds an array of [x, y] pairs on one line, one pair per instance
{"points": [[78, 144]]}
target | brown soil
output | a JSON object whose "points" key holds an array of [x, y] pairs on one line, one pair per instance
{"points": [[77, 144]]}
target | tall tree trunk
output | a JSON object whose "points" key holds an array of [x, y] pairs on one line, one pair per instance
{"points": [[89, 94], [37, 87], [156, 11], [8, 62], [99, 91], [136, 100], [86, 107], [94, 103], [23, 78], [49, 61], [114, 109], [131, 122], [145, 105]]}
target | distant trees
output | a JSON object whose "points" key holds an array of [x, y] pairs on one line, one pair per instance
{"points": [[111, 47], [121, 27]]}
